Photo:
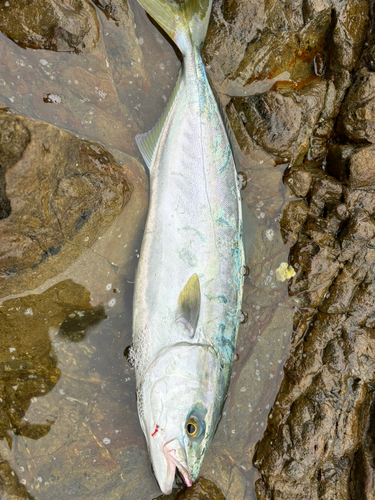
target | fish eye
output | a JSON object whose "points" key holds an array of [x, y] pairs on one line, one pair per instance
{"points": [[193, 427]]}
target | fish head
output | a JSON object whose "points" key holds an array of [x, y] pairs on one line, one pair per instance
{"points": [[179, 405]]}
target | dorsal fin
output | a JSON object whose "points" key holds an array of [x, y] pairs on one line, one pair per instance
{"points": [[189, 304], [147, 142]]}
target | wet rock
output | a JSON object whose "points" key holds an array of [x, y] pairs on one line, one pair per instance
{"points": [[298, 181], [361, 481], [272, 120], [86, 95], [247, 43], [202, 489], [352, 165], [61, 26], [63, 192], [28, 363], [345, 42], [282, 122], [14, 138], [362, 169], [368, 55], [313, 446], [357, 116], [338, 160], [293, 218], [325, 190]]}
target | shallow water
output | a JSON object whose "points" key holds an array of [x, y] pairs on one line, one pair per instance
{"points": [[69, 424]]}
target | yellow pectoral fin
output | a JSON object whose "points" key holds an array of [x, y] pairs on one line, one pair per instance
{"points": [[188, 305]]}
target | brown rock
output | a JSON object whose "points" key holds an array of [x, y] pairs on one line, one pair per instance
{"points": [[272, 120], [64, 193], [324, 190], [357, 116], [298, 181], [247, 43], [202, 489], [69, 26], [282, 123], [345, 42], [362, 169], [14, 138], [293, 218], [338, 159]]}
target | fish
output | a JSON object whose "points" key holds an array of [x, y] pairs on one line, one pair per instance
{"points": [[190, 274]]}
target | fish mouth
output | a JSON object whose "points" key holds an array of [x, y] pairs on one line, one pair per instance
{"points": [[175, 454]]}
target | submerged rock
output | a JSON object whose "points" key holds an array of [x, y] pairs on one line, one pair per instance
{"points": [[62, 194], [28, 363], [62, 26]]}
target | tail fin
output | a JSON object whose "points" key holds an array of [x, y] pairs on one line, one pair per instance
{"points": [[189, 18]]}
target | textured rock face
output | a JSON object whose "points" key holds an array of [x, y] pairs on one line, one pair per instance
{"points": [[63, 26], [319, 439], [60, 195]]}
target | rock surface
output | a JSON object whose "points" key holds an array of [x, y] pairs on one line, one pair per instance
{"points": [[53, 25], [61, 195], [314, 443]]}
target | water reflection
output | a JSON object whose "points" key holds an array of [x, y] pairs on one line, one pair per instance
{"points": [[28, 366]]}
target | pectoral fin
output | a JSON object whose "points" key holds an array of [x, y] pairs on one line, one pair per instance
{"points": [[189, 303]]}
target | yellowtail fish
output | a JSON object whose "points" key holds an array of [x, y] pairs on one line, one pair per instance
{"points": [[189, 281]]}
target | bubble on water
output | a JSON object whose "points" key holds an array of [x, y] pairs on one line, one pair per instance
{"points": [[270, 233], [243, 317], [106, 441], [112, 303], [108, 287], [43, 62], [242, 180], [54, 98], [245, 271]]}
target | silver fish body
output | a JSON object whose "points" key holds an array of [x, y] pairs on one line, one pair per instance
{"points": [[189, 280]]}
